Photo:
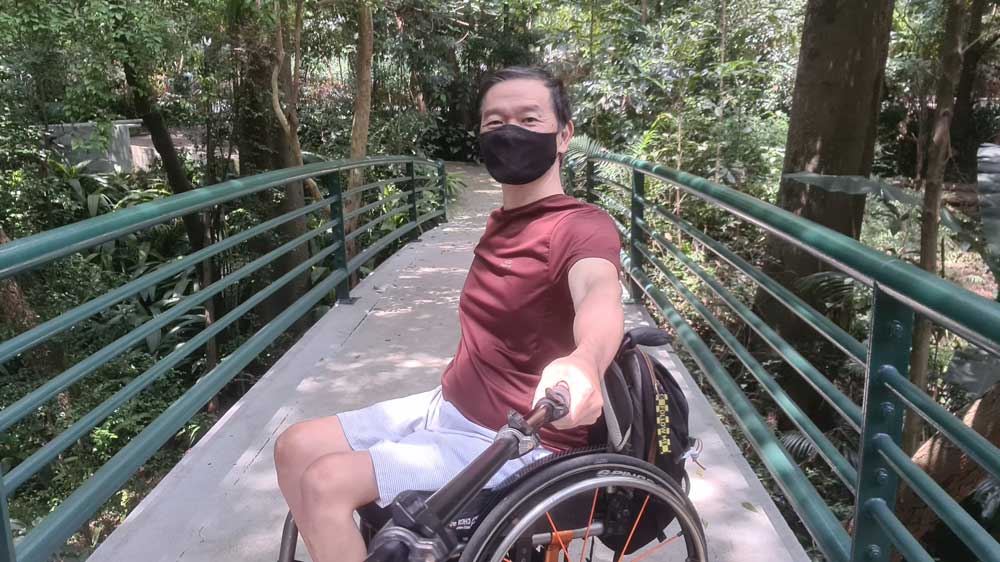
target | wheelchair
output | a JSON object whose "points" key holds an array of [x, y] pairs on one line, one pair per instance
{"points": [[586, 504]]}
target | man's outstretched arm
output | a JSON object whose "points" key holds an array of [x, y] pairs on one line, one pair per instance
{"points": [[597, 329]]}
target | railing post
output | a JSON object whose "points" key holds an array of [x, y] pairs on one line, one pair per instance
{"points": [[590, 181], [336, 185], [443, 186], [412, 198], [7, 553], [636, 234], [891, 329]]}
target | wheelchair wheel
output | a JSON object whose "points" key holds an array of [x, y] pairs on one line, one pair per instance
{"points": [[576, 509]]}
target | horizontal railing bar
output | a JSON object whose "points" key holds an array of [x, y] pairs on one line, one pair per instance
{"points": [[969, 315], [429, 216], [373, 185], [962, 436], [38, 460], [812, 510], [30, 252], [13, 413], [357, 261], [30, 338], [898, 534], [951, 514], [823, 325], [843, 469], [373, 223], [844, 406], [434, 188], [59, 525], [362, 210]]}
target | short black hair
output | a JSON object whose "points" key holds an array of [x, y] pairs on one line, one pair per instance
{"points": [[560, 99]]}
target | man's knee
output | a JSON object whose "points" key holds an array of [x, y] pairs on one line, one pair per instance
{"points": [[302, 440], [290, 443], [342, 479]]}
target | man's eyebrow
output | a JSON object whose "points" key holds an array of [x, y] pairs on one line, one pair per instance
{"points": [[530, 106]]}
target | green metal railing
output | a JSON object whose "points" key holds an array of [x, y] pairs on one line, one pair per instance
{"points": [[899, 291], [421, 198]]}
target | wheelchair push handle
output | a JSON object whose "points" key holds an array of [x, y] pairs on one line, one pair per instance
{"points": [[553, 407]]}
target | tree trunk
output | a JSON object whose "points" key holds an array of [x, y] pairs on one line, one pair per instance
{"points": [[177, 179], [832, 128], [831, 131], [963, 131], [937, 160], [195, 224], [951, 468], [285, 82], [255, 120], [16, 312], [362, 110], [722, 91]]}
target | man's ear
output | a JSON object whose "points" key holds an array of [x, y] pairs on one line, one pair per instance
{"points": [[565, 135]]}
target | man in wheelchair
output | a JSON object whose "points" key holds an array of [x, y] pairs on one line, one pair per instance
{"points": [[541, 307]]}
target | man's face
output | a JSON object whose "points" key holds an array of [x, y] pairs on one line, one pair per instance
{"points": [[526, 103]]}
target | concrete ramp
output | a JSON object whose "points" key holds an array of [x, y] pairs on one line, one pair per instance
{"points": [[221, 502]]}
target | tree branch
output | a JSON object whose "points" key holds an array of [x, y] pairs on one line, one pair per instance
{"points": [[279, 47], [988, 43], [293, 96]]}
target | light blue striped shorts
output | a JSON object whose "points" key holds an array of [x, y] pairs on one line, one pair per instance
{"points": [[420, 442]]}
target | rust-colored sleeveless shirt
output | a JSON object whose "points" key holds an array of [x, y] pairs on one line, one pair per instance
{"points": [[516, 311]]}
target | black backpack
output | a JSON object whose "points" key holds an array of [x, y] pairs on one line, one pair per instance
{"points": [[645, 416]]}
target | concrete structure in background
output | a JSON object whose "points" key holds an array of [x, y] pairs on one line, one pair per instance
{"points": [[129, 148], [80, 142]]}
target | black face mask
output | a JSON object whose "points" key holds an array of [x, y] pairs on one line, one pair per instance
{"points": [[516, 156]]}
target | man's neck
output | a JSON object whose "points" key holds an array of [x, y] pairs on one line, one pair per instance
{"points": [[515, 196]]}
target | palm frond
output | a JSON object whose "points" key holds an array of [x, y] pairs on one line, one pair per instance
{"points": [[987, 497], [799, 446], [832, 288]]}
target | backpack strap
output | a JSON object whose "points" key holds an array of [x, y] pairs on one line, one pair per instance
{"points": [[644, 335], [617, 407]]}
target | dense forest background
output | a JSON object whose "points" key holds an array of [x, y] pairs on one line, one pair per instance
{"points": [[898, 95]]}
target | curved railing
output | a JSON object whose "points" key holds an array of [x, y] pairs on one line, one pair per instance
{"points": [[419, 198], [899, 290]]}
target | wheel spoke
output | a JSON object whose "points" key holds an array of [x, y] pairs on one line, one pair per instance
{"points": [[558, 535], [590, 521], [634, 527], [659, 546]]}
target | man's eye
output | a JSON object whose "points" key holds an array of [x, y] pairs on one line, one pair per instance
{"points": [[530, 119]]}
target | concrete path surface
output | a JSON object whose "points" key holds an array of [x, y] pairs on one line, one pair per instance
{"points": [[221, 502]]}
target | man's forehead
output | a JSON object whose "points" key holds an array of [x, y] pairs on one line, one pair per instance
{"points": [[518, 95]]}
